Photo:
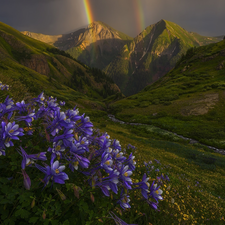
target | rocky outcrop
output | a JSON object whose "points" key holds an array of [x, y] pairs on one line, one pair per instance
{"points": [[49, 39]]}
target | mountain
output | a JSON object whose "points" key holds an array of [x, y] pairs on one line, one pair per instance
{"points": [[133, 63], [95, 45], [30, 66], [151, 55], [188, 100]]}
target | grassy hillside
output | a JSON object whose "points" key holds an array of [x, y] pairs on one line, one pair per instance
{"points": [[31, 66], [188, 100]]}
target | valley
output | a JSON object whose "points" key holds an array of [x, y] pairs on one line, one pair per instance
{"points": [[184, 99]]}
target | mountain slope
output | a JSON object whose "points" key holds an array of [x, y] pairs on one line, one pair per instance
{"points": [[152, 54], [95, 45], [31, 66], [188, 100]]}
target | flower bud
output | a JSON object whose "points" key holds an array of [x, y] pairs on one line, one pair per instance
{"points": [[93, 183], [47, 136], [33, 203], [62, 196], [92, 197], [26, 180], [44, 215], [76, 191], [76, 136]]}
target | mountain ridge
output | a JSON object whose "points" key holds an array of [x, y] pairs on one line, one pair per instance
{"points": [[132, 63]]}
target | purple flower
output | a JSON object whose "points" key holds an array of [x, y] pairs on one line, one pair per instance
{"points": [[57, 149], [106, 162], [131, 163], [61, 103], [84, 162], [54, 173], [28, 119], [29, 159], [144, 185], [9, 132], [73, 114], [85, 125], [116, 144], [124, 201], [40, 99], [67, 137], [155, 192], [7, 107], [26, 180], [22, 107], [117, 155], [124, 175]]}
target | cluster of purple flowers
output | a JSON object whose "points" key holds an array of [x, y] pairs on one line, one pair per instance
{"points": [[73, 142]]}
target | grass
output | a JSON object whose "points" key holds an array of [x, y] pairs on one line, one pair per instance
{"points": [[197, 183]]}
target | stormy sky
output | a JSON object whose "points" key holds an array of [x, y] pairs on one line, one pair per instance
{"points": [[205, 17]]}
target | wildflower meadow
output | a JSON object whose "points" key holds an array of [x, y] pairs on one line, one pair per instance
{"points": [[56, 168]]}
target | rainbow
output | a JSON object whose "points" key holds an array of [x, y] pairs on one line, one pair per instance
{"points": [[139, 14], [89, 14], [90, 19]]}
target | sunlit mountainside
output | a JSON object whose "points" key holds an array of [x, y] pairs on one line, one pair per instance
{"points": [[132, 63], [35, 66], [95, 45]]}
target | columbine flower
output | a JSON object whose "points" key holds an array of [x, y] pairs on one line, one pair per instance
{"points": [[57, 149], [67, 137], [29, 159], [10, 131], [85, 125], [28, 119], [106, 162], [22, 107], [124, 175], [124, 201], [131, 163], [144, 185], [155, 192], [54, 173], [40, 99], [117, 155], [116, 144]]}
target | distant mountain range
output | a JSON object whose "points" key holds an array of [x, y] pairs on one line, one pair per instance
{"points": [[132, 63]]}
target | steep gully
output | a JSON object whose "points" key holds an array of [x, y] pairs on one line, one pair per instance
{"points": [[192, 141]]}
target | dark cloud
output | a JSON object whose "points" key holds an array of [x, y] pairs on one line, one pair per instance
{"points": [[205, 17]]}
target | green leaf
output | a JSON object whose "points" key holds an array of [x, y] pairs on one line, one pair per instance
{"points": [[66, 222], [22, 213], [33, 219], [54, 222]]}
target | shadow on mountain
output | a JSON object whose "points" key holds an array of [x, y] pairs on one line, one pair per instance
{"points": [[98, 54]]}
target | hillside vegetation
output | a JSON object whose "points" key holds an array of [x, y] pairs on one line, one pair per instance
{"points": [[188, 100], [30, 66]]}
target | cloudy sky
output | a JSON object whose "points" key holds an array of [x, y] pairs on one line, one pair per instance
{"points": [[205, 17]]}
